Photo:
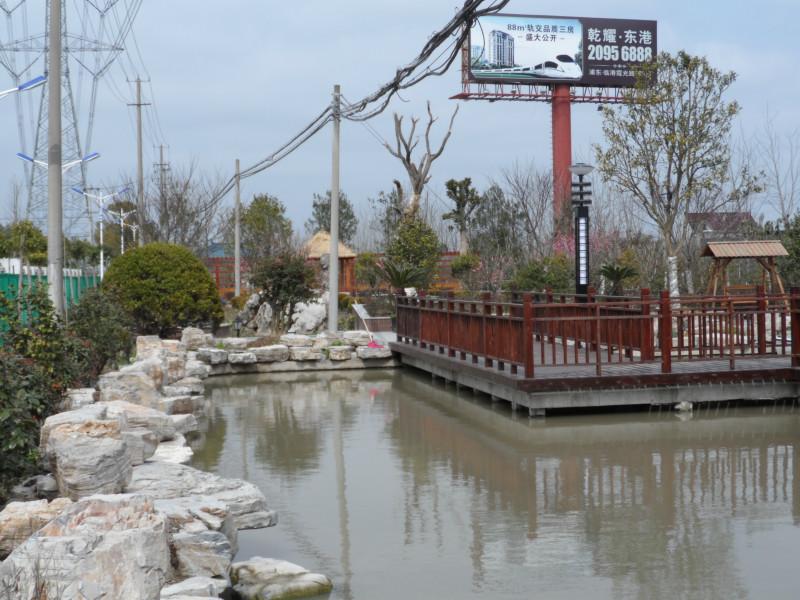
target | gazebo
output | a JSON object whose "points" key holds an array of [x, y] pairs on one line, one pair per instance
{"points": [[764, 252], [320, 245]]}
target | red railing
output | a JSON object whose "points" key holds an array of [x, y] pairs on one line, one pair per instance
{"points": [[532, 331]]}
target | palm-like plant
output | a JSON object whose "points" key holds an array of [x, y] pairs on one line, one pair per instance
{"points": [[403, 275], [616, 274]]}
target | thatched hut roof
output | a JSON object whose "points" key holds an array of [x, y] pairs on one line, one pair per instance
{"points": [[320, 244]]}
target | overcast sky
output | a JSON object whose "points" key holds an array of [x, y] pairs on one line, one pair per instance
{"points": [[237, 78]]}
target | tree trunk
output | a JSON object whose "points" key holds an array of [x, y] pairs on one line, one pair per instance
{"points": [[463, 243]]}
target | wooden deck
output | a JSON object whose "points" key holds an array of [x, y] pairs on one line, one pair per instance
{"points": [[530, 345]]}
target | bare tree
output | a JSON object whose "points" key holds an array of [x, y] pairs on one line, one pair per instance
{"points": [[531, 192], [781, 155], [419, 170]]}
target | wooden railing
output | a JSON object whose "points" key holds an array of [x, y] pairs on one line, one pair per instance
{"points": [[526, 332]]}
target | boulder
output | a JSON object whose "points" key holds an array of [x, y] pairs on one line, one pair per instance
{"points": [[367, 353], [135, 387], [175, 346], [153, 367], [184, 423], [20, 520], [236, 343], [309, 318], [275, 353], [205, 554], [141, 417], [88, 413], [77, 421], [148, 346], [79, 397], [174, 451], [212, 356], [38, 487], [180, 405], [241, 358], [199, 513], [270, 579], [357, 338], [194, 338], [293, 340], [253, 301], [196, 587], [324, 339], [262, 322], [165, 480], [338, 353], [304, 354], [142, 444], [195, 368], [174, 366], [101, 547], [89, 458]]}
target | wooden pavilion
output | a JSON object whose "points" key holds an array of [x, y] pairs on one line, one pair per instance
{"points": [[319, 246], [763, 252]]}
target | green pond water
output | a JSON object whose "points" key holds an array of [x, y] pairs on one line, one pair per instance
{"points": [[399, 488]]}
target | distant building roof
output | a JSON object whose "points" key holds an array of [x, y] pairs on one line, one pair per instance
{"points": [[720, 221], [320, 245], [745, 249]]}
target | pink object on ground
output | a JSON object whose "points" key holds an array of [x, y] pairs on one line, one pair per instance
{"points": [[374, 344]]}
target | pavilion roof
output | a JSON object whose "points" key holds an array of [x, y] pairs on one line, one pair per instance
{"points": [[745, 249]]}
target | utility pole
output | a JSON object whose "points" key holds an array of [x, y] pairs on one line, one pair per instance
{"points": [[163, 167], [333, 264], [139, 160], [55, 214], [237, 233]]}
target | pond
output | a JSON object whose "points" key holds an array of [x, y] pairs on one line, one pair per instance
{"points": [[399, 488]]}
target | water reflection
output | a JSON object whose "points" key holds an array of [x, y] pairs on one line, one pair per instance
{"points": [[398, 487]]}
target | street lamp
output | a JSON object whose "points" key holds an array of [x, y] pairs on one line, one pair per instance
{"points": [[581, 199], [101, 204], [121, 215], [65, 166], [28, 85]]}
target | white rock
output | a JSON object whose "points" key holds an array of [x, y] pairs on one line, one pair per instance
{"points": [[267, 578], [184, 423], [324, 339], [236, 343], [20, 520], [293, 340], [79, 397], [309, 318], [142, 444], [100, 548], [253, 301], [274, 353], [212, 356], [165, 480], [174, 451], [195, 368], [366, 353], [153, 367], [199, 513], [148, 346], [135, 387], [174, 366], [304, 354], [142, 417], [340, 352], [204, 554], [196, 587], [188, 386], [357, 338], [180, 405], [194, 338], [241, 358], [94, 412], [174, 346], [263, 319]]}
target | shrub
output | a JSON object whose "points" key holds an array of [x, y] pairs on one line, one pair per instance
{"points": [[367, 270], [464, 269], [415, 245], [163, 286], [404, 275], [285, 281], [105, 329], [552, 272]]}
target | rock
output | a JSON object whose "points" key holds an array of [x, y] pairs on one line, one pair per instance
{"points": [[205, 554], [46, 487], [366, 353], [174, 346], [148, 346], [165, 480], [236, 343], [241, 358], [309, 317], [270, 579], [77, 421], [293, 340], [175, 451], [184, 424], [102, 547], [212, 356], [135, 387], [340, 352], [174, 366], [89, 458], [197, 587], [199, 513], [253, 301], [153, 367], [195, 368], [38, 487], [275, 353], [79, 397], [142, 417], [194, 338], [357, 338], [324, 339], [20, 520], [304, 354], [180, 405], [262, 322], [142, 444], [188, 386], [88, 413]]}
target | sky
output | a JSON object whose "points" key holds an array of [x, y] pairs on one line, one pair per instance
{"points": [[236, 79]]}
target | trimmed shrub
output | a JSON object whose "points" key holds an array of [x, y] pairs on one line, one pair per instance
{"points": [[416, 246], [163, 286], [285, 281]]}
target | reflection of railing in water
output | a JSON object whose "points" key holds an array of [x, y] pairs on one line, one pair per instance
{"points": [[531, 331]]}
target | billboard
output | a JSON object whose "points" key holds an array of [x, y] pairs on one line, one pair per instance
{"points": [[575, 50]]}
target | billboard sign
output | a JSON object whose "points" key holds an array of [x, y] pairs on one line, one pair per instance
{"points": [[576, 50]]}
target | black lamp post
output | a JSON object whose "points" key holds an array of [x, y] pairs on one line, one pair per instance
{"points": [[581, 199]]}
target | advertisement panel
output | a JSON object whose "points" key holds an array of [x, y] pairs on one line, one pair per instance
{"points": [[576, 50]]}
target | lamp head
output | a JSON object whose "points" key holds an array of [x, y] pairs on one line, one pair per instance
{"points": [[581, 169]]}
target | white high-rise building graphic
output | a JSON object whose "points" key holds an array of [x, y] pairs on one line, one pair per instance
{"points": [[500, 49]]}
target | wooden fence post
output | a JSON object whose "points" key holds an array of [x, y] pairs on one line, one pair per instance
{"points": [[647, 350], [487, 311], [448, 298], [421, 301], [761, 319], [731, 336], [665, 332], [794, 315], [598, 354], [527, 333]]}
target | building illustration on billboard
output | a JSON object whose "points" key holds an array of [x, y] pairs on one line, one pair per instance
{"points": [[582, 51]]}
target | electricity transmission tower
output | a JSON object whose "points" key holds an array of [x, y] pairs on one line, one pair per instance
{"points": [[93, 35]]}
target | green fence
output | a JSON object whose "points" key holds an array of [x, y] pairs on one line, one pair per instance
{"points": [[74, 285]]}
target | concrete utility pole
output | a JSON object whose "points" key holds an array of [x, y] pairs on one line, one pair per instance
{"points": [[55, 214], [139, 160], [163, 167], [237, 234], [333, 264]]}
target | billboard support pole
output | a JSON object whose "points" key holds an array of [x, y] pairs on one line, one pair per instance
{"points": [[562, 156]]}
